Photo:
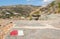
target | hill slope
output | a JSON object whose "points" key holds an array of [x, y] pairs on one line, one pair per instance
{"points": [[17, 10]]}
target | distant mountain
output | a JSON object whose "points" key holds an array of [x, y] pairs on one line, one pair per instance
{"points": [[17, 10]]}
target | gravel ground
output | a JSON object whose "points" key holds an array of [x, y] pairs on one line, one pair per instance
{"points": [[37, 34]]}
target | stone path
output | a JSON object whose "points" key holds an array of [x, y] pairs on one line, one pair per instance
{"points": [[44, 31], [37, 24]]}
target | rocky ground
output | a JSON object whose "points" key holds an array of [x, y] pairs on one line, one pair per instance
{"points": [[39, 32], [41, 29]]}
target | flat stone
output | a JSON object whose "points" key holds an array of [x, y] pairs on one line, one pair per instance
{"points": [[38, 34]]}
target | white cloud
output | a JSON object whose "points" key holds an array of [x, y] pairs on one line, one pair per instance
{"points": [[48, 0], [45, 0]]}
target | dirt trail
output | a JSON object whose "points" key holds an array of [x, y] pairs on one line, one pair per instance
{"points": [[39, 27]]}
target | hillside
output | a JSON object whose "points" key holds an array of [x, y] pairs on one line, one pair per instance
{"points": [[54, 7], [16, 10]]}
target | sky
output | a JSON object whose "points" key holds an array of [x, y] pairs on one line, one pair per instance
{"points": [[24, 2]]}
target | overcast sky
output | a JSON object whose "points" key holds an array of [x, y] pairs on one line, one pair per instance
{"points": [[24, 2]]}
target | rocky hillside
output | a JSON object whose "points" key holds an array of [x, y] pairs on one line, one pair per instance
{"points": [[16, 10], [54, 7], [25, 10]]}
